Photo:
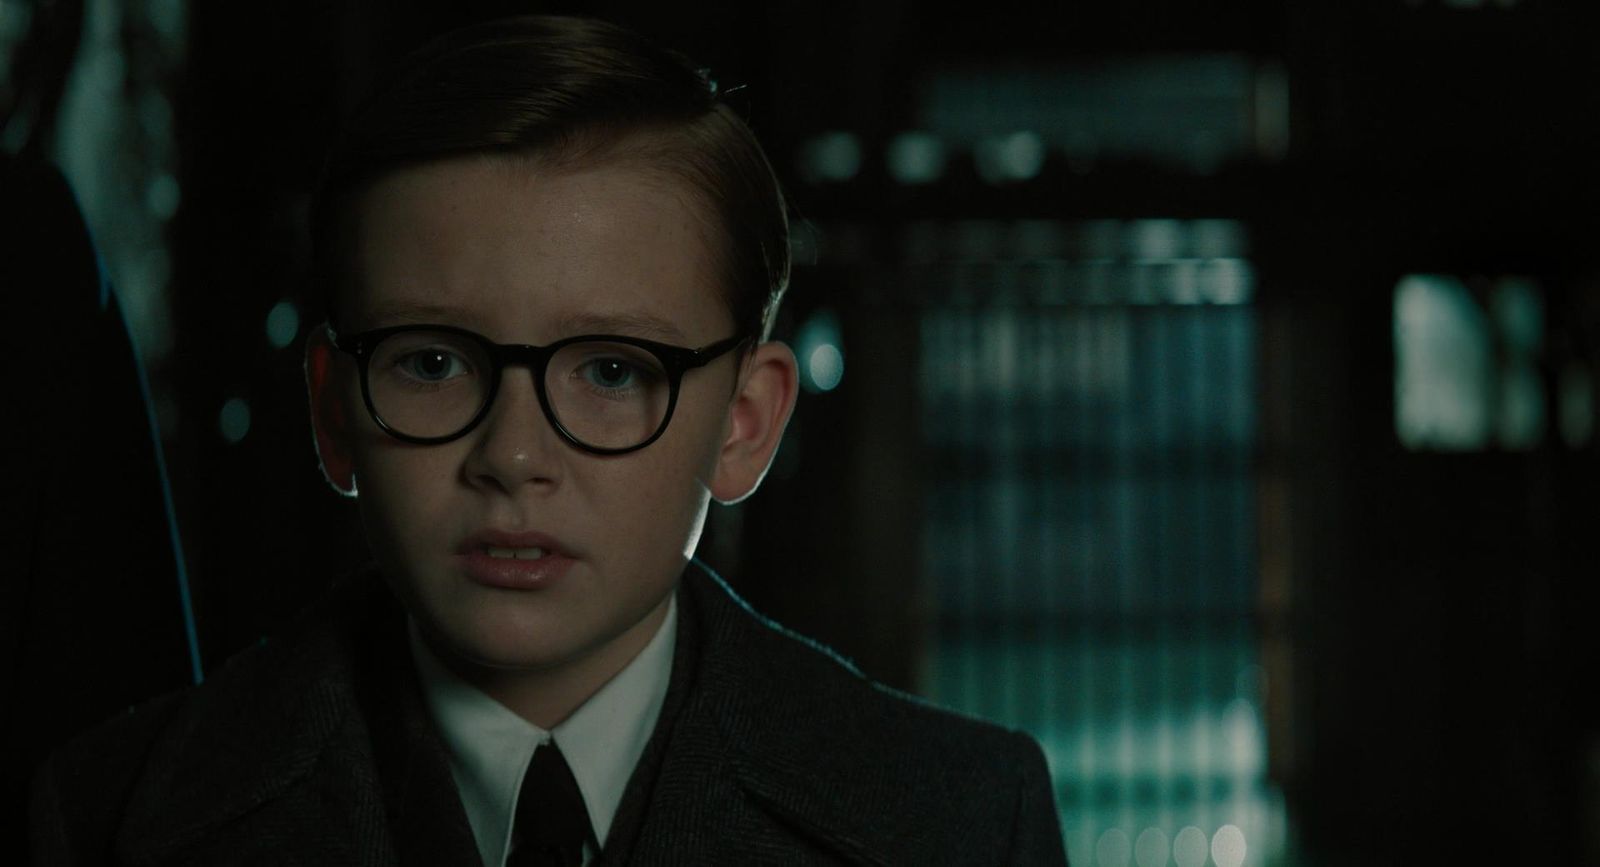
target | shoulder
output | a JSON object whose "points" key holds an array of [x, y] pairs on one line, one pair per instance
{"points": [[79, 792], [260, 683], [208, 751], [818, 737], [819, 694]]}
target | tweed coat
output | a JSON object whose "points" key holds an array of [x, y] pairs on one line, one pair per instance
{"points": [[316, 748]]}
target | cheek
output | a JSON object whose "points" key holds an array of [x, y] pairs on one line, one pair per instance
{"points": [[402, 488], [672, 517], [651, 491], [706, 428], [664, 494]]}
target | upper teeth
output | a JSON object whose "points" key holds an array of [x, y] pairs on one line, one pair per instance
{"points": [[515, 553]]}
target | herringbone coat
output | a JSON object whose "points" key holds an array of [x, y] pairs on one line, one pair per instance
{"points": [[316, 748]]}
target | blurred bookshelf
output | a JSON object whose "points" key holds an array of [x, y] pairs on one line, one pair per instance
{"points": [[1088, 394]]}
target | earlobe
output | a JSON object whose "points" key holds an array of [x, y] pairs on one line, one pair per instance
{"points": [[757, 417], [330, 421]]}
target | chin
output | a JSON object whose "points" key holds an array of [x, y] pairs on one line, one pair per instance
{"points": [[501, 642], [514, 658]]}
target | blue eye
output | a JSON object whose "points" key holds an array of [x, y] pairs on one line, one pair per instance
{"points": [[431, 365], [610, 373]]}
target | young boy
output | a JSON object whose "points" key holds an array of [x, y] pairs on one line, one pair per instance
{"points": [[551, 259]]}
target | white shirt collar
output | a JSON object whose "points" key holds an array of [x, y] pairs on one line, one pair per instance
{"points": [[490, 746]]}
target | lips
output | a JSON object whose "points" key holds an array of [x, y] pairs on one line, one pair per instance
{"points": [[514, 560], [485, 540]]}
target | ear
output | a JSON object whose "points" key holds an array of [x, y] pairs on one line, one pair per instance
{"points": [[330, 417], [756, 419]]}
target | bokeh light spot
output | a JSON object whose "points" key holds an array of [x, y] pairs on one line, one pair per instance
{"points": [[1227, 846], [916, 158], [826, 366], [820, 350], [1150, 850], [1113, 850], [831, 157], [283, 324], [1015, 157], [1189, 847], [234, 420]]}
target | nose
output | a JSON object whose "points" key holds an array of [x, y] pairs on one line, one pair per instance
{"points": [[515, 445]]}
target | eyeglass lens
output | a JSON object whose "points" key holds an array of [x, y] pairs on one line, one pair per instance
{"points": [[429, 384]]}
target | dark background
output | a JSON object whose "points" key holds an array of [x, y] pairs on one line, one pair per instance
{"points": [[1428, 618]]}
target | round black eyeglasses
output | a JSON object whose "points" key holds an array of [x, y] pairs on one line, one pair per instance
{"points": [[606, 394]]}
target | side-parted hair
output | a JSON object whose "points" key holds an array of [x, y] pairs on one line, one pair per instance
{"points": [[567, 92]]}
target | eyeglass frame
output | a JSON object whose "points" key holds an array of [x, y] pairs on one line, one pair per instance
{"points": [[676, 360]]}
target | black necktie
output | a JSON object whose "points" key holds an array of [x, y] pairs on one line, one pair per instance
{"points": [[551, 823]]}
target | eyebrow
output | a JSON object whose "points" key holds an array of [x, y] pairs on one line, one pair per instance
{"points": [[631, 324]]}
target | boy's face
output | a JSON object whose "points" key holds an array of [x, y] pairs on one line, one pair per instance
{"points": [[521, 254]]}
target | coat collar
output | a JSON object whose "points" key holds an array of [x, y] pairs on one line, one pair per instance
{"points": [[730, 772], [277, 750]]}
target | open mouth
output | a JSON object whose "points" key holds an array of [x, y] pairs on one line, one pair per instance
{"points": [[513, 553], [514, 560]]}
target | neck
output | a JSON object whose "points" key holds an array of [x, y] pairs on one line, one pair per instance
{"points": [[545, 697]]}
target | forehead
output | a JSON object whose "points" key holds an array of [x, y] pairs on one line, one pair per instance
{"points": [[526, 251]]}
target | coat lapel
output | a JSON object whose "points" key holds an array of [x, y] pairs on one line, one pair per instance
{"points": [[423, 806], [327, 757], [723, 794], [265, 764]]}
